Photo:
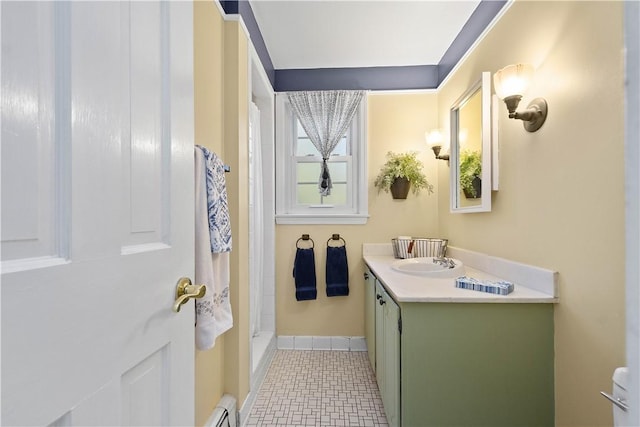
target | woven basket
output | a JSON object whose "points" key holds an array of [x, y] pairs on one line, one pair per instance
{"points": [[416, 247]]}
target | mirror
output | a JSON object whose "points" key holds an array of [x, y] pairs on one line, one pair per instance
{"points": [[471, 149]]}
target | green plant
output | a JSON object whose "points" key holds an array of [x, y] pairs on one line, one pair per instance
{"points": [[403, 165], [470, 168]]}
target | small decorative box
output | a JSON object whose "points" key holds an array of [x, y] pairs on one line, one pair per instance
{"points": [[501, 287]]}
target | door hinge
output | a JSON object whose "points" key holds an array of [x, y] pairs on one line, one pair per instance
{"points": [[400, 324], [366, 276]]}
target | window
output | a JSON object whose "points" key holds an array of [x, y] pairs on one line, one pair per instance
{"points": [[308, 160], [298, 168]]}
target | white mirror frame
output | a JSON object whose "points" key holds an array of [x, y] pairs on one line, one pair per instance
{"points": [[483, 84]]}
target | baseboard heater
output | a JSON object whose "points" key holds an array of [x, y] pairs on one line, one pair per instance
{"points": [[224, 415]]}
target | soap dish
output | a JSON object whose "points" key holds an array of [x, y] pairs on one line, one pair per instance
{"points": [[501, 287]]}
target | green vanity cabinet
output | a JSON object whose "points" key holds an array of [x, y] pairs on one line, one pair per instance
{"points": [[463, 364], [467, 364]]}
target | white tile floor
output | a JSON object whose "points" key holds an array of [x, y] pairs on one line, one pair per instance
{"points": [[318, 388]]}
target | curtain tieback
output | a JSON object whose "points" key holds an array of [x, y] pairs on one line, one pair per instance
{"points": [[325, 173]]}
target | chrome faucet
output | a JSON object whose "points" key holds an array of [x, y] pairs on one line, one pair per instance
{"points": [[445, 262]]}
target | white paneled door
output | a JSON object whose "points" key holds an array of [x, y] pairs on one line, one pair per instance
{"points": [[97, 213]]}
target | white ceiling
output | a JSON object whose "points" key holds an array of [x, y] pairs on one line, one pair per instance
{"points": [[365, 33]]}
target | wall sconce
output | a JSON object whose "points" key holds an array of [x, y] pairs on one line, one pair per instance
{"points": [[435, 140], [511, 83]]}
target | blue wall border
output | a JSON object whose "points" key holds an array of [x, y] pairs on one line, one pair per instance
{"points": [[367, 78]]}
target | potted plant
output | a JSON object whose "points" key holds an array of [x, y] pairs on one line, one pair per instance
{"points": [[400, 173], [471, 173]]}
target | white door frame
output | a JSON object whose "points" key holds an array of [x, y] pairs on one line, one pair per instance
{"points": [[632, 195]]}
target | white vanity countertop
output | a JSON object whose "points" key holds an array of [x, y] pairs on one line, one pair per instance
{"points": [[412, 288]]}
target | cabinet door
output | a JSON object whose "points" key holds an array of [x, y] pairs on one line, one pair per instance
{"points": [[387, 315], [391, 398], [379, 340], [370, 315]]}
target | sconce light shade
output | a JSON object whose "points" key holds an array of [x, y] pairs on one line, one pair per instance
{"points": [[434, 137], [435, 140], [513, 80], [510, 84]]}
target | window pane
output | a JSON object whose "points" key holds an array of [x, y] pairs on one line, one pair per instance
{"points": [[338, 171], [308, 172], [308, 194], [341, 148], [307, 183], [300, 129], [305, 147], [338, 195]]}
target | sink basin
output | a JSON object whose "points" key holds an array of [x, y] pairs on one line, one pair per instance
{"points": [[427, 268]]}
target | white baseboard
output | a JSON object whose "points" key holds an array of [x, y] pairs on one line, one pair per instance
{"points": [[299, 342]]}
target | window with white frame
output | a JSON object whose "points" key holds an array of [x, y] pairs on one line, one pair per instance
{"points": [[298, 166]]}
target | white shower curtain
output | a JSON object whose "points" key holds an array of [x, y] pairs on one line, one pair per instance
{"points": [[256, 221]]}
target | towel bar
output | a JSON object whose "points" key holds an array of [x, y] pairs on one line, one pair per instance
{"points": [[337, 237], [305, 237]]}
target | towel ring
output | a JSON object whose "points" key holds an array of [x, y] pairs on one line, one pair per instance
{"points": [[336, 237], [305, 237]]}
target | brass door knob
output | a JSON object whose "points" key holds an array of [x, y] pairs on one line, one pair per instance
{"points": [[186, 290]]}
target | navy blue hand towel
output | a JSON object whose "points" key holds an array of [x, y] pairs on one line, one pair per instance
{"points": [[304, 272], [337, 271]]}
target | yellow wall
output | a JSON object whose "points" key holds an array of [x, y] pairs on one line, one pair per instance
{"points": [[208, 77], [561, 199], [395, 123], [221, 55], [236, 155]]}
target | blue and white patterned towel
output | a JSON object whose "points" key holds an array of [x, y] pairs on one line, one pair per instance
{"points": [[213, 310], [219, 221]]}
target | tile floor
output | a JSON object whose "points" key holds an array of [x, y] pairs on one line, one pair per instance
{"points": [[318, 388]]}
